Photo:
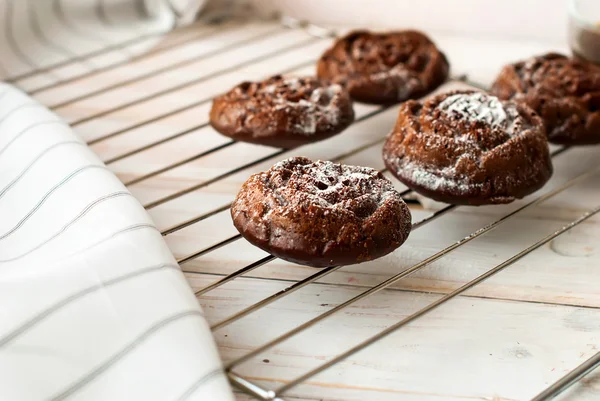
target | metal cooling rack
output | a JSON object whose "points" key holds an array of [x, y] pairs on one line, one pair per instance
{"points": [[237, 380]]}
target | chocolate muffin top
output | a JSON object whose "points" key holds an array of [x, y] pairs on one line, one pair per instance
{"points": [[563, 91], [282, 112], [321, 213], [384, 68], [467, 147]]}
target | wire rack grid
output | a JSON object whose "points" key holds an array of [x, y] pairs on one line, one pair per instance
{"points": [[162, 104]]}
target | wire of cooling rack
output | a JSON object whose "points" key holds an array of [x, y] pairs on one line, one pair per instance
{"points": [[569, 379], [264, 394], [554, 390], [164, 69], [236, 379], [196, 103]]}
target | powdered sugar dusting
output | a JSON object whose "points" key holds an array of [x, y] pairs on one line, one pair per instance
{"points": [[479, 107], [399, 72], [335, 186], [280, 111], [444, 179], [405, 82], [321, 106], [291, 82]]}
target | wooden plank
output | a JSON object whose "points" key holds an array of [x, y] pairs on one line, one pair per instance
{"points": [[467, 349]]}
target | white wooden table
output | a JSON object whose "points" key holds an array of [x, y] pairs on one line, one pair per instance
{"points": [[506, 339]]}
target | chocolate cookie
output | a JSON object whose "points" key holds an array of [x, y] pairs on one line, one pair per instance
{"points": [[468, 148], [384, 68], [321, 213], [563, 91], [282, 112]]}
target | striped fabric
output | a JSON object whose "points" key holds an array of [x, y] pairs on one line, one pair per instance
{"points": [[94, 306], [50, 40]]}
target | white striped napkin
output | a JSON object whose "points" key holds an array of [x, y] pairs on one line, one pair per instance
{"points": [[94, 306]]}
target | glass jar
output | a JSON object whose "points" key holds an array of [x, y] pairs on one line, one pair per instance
{"points": [[584, 29]]}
